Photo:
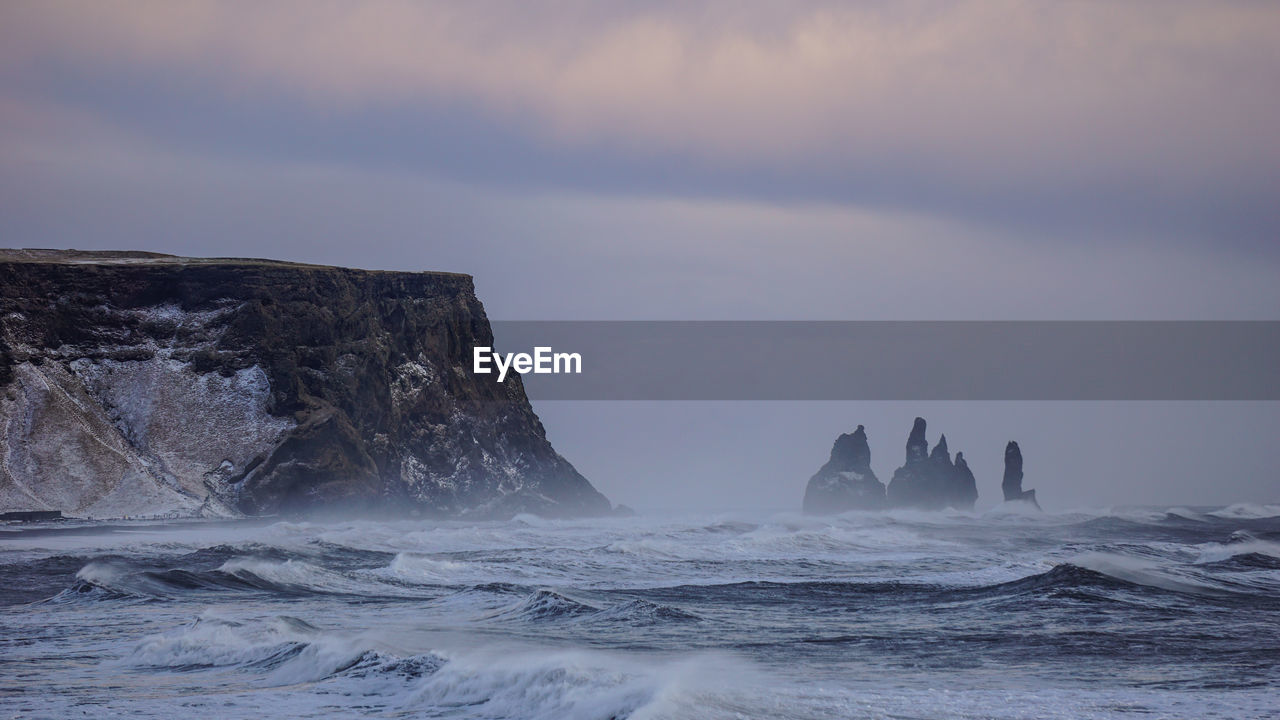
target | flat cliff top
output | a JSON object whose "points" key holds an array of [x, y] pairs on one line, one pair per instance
{"points": [[43, 256]]}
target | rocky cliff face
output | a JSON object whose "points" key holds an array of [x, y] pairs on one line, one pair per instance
{"points": [[846, 481], [932, 481], [136, 383], [1012, 484]]}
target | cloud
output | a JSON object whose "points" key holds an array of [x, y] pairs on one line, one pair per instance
{"points": [[555, 254], [1155, 114], [1034, 80]]}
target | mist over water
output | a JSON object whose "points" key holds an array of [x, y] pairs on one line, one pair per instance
{"points": [[1163, 612], [758, 455]]}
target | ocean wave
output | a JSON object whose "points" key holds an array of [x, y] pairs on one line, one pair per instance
{"points": [[899, 592], [1066, 576], [114, 579], [748, 592], [1016, 510], [500, 588], [815, 540], [1187, 514], [121, 579], [569, 685], [526, 684], [536, 521], [1246, 511], [287, 651], [417, 568], [1104, 576], [211, 641], [809, 617], [283, 650], [1103, 572], [1241, 543], [118, 579], [299, 577], [642, 612], [1133, 571], [928, 517], [543, 604]]}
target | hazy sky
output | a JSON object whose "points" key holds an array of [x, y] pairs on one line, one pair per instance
{"points": [[717, 160]]}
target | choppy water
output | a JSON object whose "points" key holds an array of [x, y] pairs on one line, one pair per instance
{"points": [[1151, 613]]}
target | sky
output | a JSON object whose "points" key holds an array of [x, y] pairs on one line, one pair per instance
{"points": [[707, 160]]}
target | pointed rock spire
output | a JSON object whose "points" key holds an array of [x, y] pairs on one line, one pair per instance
{"points": [[940, 452], [917, 445], [964, 485], [1012, 484]]}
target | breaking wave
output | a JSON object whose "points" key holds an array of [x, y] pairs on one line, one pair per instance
{"points": [[1089, 613], [283, 650], [286, 651], [543, 605]]}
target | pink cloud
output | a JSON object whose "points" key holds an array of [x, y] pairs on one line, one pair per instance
{"points": [[1147, 88]]}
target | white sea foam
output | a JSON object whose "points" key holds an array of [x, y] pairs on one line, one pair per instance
{"points": [[1142, 572], [1218, 552], [420, 568], [304, 576], [732, 615], [281, 651], [562, 685], [1247, 511]]}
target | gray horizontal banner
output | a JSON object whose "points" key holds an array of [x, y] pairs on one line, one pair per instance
{"points": [[884, 360]]}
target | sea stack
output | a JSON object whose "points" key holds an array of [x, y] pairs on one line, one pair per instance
{"points": [[137, 383], [931, 481], [964, 486], [1012, 484], [846, 482]]}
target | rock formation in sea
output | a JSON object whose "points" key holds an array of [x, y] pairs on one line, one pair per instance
{"points": [[1012, 484], [137, 383], [846, 481], [927, 480], [964, 486], [931, 481]]}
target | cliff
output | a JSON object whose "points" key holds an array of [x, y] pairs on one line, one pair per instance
{"points": [[846, 481], [136, 383]]}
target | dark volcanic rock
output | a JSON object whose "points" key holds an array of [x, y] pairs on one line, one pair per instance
{"points": [[846, 482], [1012, 484], [940, 458], [932, 481], [135, 382], [964, 486], [917, 444]]}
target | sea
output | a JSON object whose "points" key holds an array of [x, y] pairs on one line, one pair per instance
{"points": [[1097, 613]]}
